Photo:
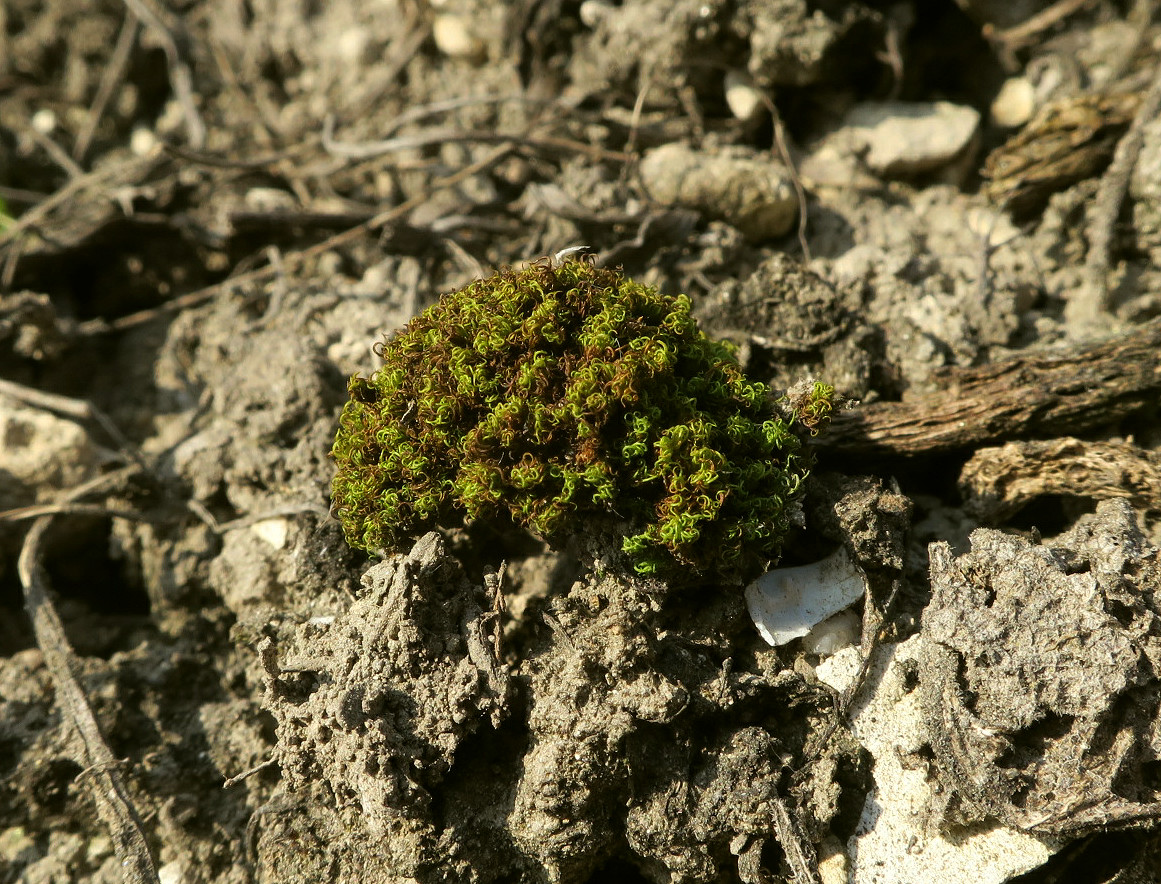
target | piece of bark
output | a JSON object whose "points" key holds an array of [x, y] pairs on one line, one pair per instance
{"points": [[1047, 393], [997, 482]]}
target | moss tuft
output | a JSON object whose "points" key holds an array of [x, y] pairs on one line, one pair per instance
{"points": [[566, 393]]}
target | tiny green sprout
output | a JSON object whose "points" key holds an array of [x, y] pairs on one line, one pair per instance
{"points": [[573, 399]]}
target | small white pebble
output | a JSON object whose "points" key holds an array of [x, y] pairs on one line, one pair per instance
{"points": [[270, 200], [570, 252], [44, 121], [593, 12], [142, 142], [745, 100], [353, 45], [273, 531], [833, 634], [453, 37], [1015, 103]]}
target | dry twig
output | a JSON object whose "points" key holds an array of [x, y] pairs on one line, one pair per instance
{"points": [[77, 409], [167, 29], [104, 179], [297, 259], [788, 161], [106, 784], [56, 153], [1102, 217], [999, 481], [111, 78], [370, 149], [1047, 393], [1009, 40], [70, 509]]}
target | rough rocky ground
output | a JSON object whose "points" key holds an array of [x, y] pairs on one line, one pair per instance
{"points": [[213, 210]]}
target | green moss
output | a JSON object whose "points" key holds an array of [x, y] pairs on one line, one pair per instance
{"points": [[568, 397]]}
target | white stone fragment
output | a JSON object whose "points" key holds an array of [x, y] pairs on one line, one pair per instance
{"points": [[593, 12], [787, 603], [273, 531], [745, 100], [143, 141], [44, 121], [900, 139], [1014, 104], [833, 634], [897, 840], [753, 193], [454, 38]]}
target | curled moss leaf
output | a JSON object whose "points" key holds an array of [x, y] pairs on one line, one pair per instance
{"points": [[567, 395]]}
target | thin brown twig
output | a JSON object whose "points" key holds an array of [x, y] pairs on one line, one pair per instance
{"points": [[21, 195], [106, 785], [57, 154], [20, 514], [1114, 184], [1017, 36], [788, 160], [246, 774], [217, 162], [97, 178], [370, 149], [435, 108], [638, 108], [892, 56], [77, 409], [200, 510], [11, 258], [111, 78], [296, 259], [180, 76]]}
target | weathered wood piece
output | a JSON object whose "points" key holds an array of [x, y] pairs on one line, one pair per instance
{"points": [[1047, 394], [998, 481]]}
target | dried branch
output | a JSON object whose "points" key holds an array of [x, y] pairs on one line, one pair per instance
{"points": [[76, 409], [1050, 393], [167, 30], [1010, 40], [111, 78], [296, 259], [103, 180], [999, 481], [56, 153], [371, 149], [106, 784], [1102, 218], [22, 513]]}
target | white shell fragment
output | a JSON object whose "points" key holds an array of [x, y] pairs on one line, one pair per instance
{"points": [[787, 603]]}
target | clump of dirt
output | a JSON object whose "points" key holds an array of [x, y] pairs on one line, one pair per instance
{"points": [[635, 729], [1042, 661]]}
